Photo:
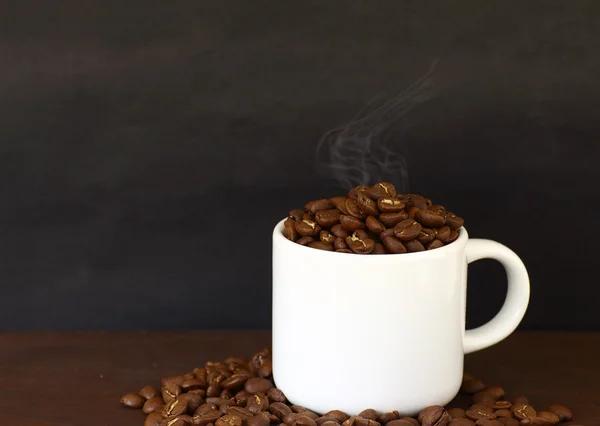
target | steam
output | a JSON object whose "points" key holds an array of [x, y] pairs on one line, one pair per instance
{"points": [[368, 148]]}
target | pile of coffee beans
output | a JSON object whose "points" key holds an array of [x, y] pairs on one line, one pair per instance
{"points": [[373, 220], [238, 392]]}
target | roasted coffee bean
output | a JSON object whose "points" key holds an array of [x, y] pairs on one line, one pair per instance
{"points": [[503, 412], [407, 230], [443, 234], [379, 249], [193, 400], [403, 422], [310, 414], [520, 400], [235, 382], [153, 419], [317, 205], [298, 408], [327, 423], [340, 204], [457, 413], [362, 421], [453, 221], [201, 374], [279, 409], [434, 244], [320, 245], [453, 237], [429, 219], [241, 412], [501, 404], [218, 374], [380, 190], [308, 216], [241, 397], [426, 236], [344, 251], [229, 420], [266, 369], [339, 243], [496, 392], [207, 407], [353, 209], [523, 411], [390, 205], [307, 228], [152, 405], [170, 391], [261, 419], [374, 225], [302, 420], [369, 413], [412, 212], [391, 219], [326, 419], [148, 392], [133, 400], [366, 205], [535, 421], [550, 416], [178, 380], [361, 234], [393, 245], [258, 384], [296, 214], [338, 415], [304, 241], [478, 413], [175, 408], [217, 400], [214, 389], [563, 413], [257, 402], [414, 200], [351, 223], [360, 246], [182, 420], [485, 422], [289, 229], [339, 231], [461, 422], [483, 398], [290, 418], [353, 193], [507, 421], [384, 418], [414, 246], [190, 384], [387, 233], [328, 218], [206, 418], [435, 415]]}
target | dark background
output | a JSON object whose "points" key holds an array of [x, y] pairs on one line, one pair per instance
{"points": [[147, 148]]}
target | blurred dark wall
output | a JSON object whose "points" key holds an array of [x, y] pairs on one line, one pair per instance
{"points": [[147, 148]]}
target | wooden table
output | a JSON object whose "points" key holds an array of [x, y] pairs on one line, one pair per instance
{"points": [[50, 378]]}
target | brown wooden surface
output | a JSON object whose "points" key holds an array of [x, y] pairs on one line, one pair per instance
{"points": [[77, 378]]}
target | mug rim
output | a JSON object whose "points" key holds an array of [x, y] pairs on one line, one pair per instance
{"points": [[460, 242]]}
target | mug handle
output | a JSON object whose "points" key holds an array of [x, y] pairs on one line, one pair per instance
{"points": [[517, 297]]}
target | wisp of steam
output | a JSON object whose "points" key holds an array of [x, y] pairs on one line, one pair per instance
{"points": [[370, 148]]}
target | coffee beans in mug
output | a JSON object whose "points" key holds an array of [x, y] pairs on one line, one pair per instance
{"points": [[247, 397]]}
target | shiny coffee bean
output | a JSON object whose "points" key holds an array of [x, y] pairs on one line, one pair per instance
{"points": [[390, 205], [414, 246], [214, 389], [456, 413], [229, 420], [260, 419], [153, 419], [414, 200], [276, 395], [380, 190], [520, 400], [296, 214], [340, 203], [391, 219], [344, 251], [434, 244], [353, 209], [170, 391], [353, 193], [206, 418], [360, 246], [368, 413], [339, 231], [453, 236], [429, 219], [280, 409], [496, 392], [374, 224], [484, 422], [501, 405], [351, 223], [339, 243], [387, 233], [304, 241], [235, 382], [338, 415], [317, 205], [178, 380], [523, 411], [205, 408], [406, 421], [385, 418], [328, 218], [461, 422], [407, 230], [453, 221], [320, 245], [479, 413], [483, 398], [563, 413], [148, 392], [361, 421], [258, 384], [193, 400], [443, 234], [133, 400], [472, 386], [307, 228], [175, 408], [289, 229], [379, 249], [393, 245], [152, 405], [257, 403], [550, 416], [191, 384], [367, 205], [434, 416], [412, 212]]}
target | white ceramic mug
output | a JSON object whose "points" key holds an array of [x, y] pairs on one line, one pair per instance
{"points": [[381, 331]]}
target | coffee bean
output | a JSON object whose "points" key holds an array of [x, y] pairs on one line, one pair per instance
{"points": [[279, 409], [307, 228], [178, 380], [289, 229], [379, 249], [148, 392], [520, 400], [340, 204], [241, 397], [360, 246], [207, 407], [175, 408], [302, 420], [257, 402], [484, 422], [339, 243], [320, 245], [344, 251], [310, 414], [170, 391], [501, 404], [266, 369], [426, 236], [483, 398], [304, 241], [153, 419], [353, 193], [434, 244], [241, 412], [133, 400], [317, 205], [258, 384], [457, 413], [190, 384], [339, 231], [290, 418], [327, 423], [338, 415], [351, 223], [217, 400], [181, 420], [385, 418], [563, 413], [229, 420], [443, 234], [536, 421], [407, 230], [412, 212], [369, 413], [414, 200], [214, 389], [453, 221], [429, 219], [481, 412], [390, 205], [326, 419], [298, 408], [387, 233], [414, 246], [260, 419], [362, 421], [367, 205], [235, 382], [374, 225], [296, 214], [393, 245], [192, 400], [391, 219], [550, 416], [353, 209], [206, 418], [380, 190], [461, 422], [496, 392], [507, 421], [434, 416], [308, 216], [523, 411], [200, 374], [503, 412], [328, 218], [152, 405], [453, 237], [403, 422]]}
